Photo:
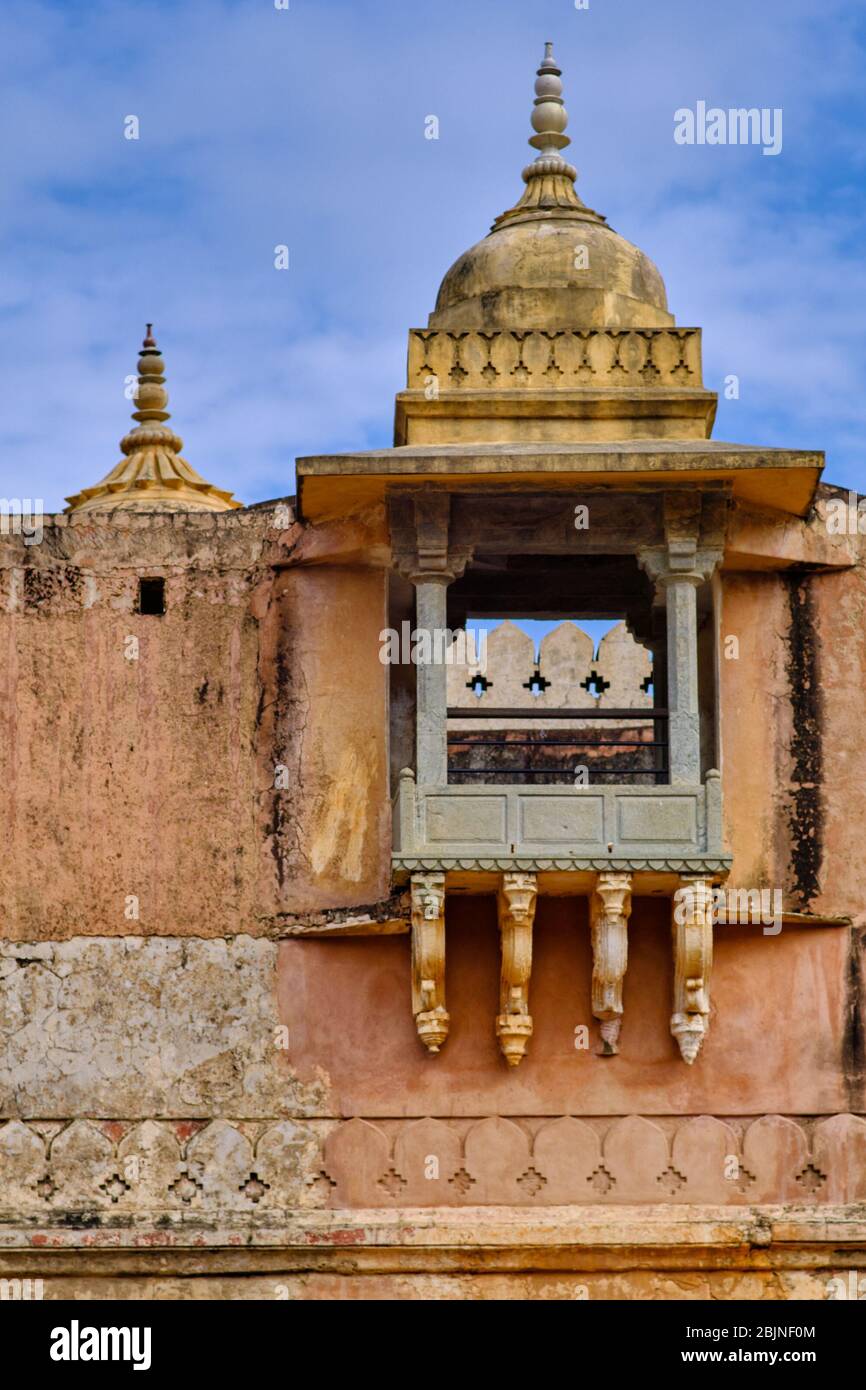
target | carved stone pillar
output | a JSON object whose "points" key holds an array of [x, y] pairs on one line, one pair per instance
{"points": [[421, 550], [610, 906], [694, 536], [428, 959], [431, 730], [684, 720], [693, 960], [517, 896]]}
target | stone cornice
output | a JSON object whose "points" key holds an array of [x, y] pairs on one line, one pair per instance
{"points": [[698, 865], [359, 1237]]}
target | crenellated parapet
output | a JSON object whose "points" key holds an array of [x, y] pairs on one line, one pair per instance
{"points": [[565, 672]]}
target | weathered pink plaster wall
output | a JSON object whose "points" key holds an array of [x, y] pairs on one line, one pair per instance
{"points": [[753, 701], [158, 778], [129, 777], [327, 835], [792, 726], [775, 1039], [840, 619], [149, 772]]}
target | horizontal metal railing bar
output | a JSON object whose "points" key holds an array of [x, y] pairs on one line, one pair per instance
{"points": [[625, 773], [457, 740], [491, 713]]}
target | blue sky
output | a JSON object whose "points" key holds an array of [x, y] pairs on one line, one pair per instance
{"points": [[306, 127]]}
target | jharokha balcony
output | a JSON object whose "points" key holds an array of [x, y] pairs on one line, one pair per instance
{"points": [[567, 771], [563, 758]]}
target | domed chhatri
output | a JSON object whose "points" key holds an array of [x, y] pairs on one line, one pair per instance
{"points": [[152, 476], [551, 262]]}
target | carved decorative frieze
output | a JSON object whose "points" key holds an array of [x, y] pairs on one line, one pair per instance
{"points": [[475, 361], [428, 959], [628, 1159], [693, 958], [204, 1169], [516, 903], [610, 907]]}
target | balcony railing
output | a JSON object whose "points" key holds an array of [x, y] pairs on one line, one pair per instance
{"points": [[631, 746]]}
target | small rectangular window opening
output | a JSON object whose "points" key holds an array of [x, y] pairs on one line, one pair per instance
{"points": [[151, 596]]}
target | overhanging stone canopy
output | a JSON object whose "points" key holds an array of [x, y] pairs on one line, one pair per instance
{"points": [[331, 486]]}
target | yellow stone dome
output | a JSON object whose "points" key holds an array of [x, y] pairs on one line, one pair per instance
{"points": [[523, 276], [551, 262]]}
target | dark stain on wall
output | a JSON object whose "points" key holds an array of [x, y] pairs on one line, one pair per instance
{"points": [[43, 586], [854, 1038], [280, 723], [805, 802], [280, 803]]}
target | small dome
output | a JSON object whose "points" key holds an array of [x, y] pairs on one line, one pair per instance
{"points": [[525, 275], [151, 476], [551, 262]]}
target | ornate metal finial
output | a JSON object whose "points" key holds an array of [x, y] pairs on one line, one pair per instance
{"points": [[549, 116], [152, 476], [150, 397], [549, 179]]}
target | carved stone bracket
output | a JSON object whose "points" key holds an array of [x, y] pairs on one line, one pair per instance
{"points": [[693, 958], [421, 545], [428, 959], [694, 529], [516, 904], [610, 906]]}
